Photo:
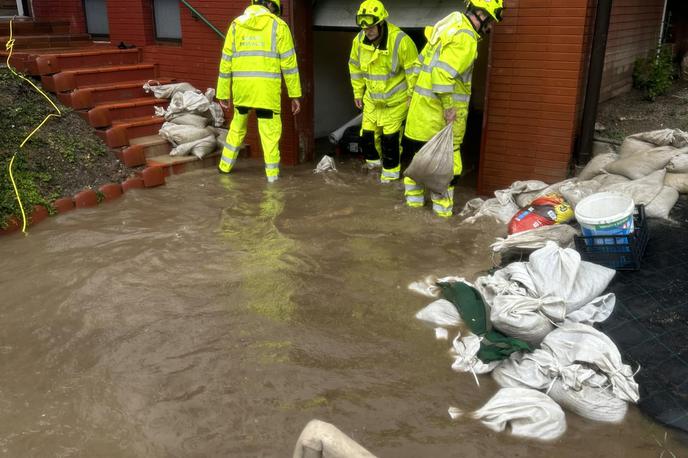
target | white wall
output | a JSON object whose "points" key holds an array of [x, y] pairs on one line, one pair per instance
{"points": [[334, 103]]}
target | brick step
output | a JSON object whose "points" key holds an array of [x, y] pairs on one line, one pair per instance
{"points": [[90, 96], [152, 145], [47, 64], [47, 41], [82, 77], [175, 165], [103, 115], [123, 130], [24, 60], [31, 27]]}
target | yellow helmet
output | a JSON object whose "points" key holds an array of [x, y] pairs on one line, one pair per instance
{"points": [[370, 13], [277, 3], [492, 7]]}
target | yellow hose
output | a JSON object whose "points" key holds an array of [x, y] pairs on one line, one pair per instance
{"points": [[9, 46]]}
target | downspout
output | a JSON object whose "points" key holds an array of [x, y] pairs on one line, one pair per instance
{"points": [[594, 83], [664, 24]]}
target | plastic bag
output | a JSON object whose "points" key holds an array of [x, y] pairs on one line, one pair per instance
{"points": [[433, 165], [543, 211]]}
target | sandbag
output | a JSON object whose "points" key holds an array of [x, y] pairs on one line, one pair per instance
{"points": [[664, 137], [661, 205], [560, 272], [525, 370], [593, 403], [574, 192], [530, 414], [678, 181], [678, 164], [166, 91], [320, 439], [187, 119], [608, 179], [575, 343], [433, 165], [561, 234], [642, 191], [632, 146], [493, 208], [178, 134], [440, 313], [520, 190], [596, 165], [643, 163], [465, 349], [199, 148], [188, 101], [527, 318], [595, 311]]}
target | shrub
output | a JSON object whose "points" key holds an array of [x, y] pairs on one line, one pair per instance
{"points": [[654, 75]]}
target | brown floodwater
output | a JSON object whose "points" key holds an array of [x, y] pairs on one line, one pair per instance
{"points": [[217, 315]]}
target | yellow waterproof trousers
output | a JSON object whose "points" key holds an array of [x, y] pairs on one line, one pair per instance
{"points": [[270, 131], [385, 123]]}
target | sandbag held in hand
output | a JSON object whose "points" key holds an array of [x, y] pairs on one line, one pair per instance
{"points": [[433, 165]]}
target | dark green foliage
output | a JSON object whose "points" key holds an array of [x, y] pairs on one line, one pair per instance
{"points": [[655, 74]]}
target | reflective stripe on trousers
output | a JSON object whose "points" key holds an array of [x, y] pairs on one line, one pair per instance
{"points": [[270, 131], [442, 204]]}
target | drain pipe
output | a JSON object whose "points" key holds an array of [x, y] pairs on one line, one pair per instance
{"points": [[592, 91]]}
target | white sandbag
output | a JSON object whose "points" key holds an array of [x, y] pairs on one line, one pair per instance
{"points": [[632, 146], [165, 91], [433, 165], [513, 279], [661, 205], [596, 311], [596, 165], [518, 188], [530, 414], [440, 313], [525, 370], [555, 187], [220, 134], [607, 179], [493, 208], [465, 350], [199, 148], [527, 318], [643, 163], [593, 403], [187, 119], [642, 191], [678, 164], [561, 234], [678, 181], [575, 343], [178, 134], [574, 192], [326, 164], [216, 114], [560, 272], [664, 137], [324, 440], [428, 286], [188, 101]]}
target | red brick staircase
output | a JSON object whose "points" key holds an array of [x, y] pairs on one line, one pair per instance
{"points": [[104, 85]]}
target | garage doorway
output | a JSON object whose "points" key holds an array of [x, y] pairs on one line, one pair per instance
{"points": [[333, 31]]}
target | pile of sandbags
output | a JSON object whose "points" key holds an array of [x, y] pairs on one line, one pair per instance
{"points": [[549, 302], [193, 119]]}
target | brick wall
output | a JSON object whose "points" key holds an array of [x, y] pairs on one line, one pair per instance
{"points": [[68, 10], [633, 32], [537, 63]]}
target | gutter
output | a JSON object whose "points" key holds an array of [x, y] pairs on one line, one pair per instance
{"points": [[595, 70]]}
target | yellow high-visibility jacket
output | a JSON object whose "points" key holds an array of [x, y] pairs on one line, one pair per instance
{"points": [[381, 76], [443, 74], [258, 50]]}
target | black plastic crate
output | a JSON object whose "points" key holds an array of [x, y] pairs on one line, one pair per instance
{"points": [[620, 252]]}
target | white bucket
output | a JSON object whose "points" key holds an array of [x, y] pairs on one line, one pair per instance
{"points": [[605, 213]]}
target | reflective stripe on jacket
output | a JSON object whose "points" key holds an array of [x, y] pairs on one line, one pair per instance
{"points": [[443, 74], [258, 51], [382, 76]]}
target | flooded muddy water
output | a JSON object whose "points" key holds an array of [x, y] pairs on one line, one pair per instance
{"points": [[217, 315]]}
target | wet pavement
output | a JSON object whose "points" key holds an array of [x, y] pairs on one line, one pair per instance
{"points": [[650, 321], [217, 315]]}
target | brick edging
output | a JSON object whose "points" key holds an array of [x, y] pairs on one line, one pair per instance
{"points": [[149, 177]]}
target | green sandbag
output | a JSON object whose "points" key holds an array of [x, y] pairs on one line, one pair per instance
{"points": [[494, 346]]}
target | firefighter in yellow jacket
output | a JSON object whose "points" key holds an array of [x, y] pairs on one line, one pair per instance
{"points": [[443, 90], [381, 64], [258, 51]]}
